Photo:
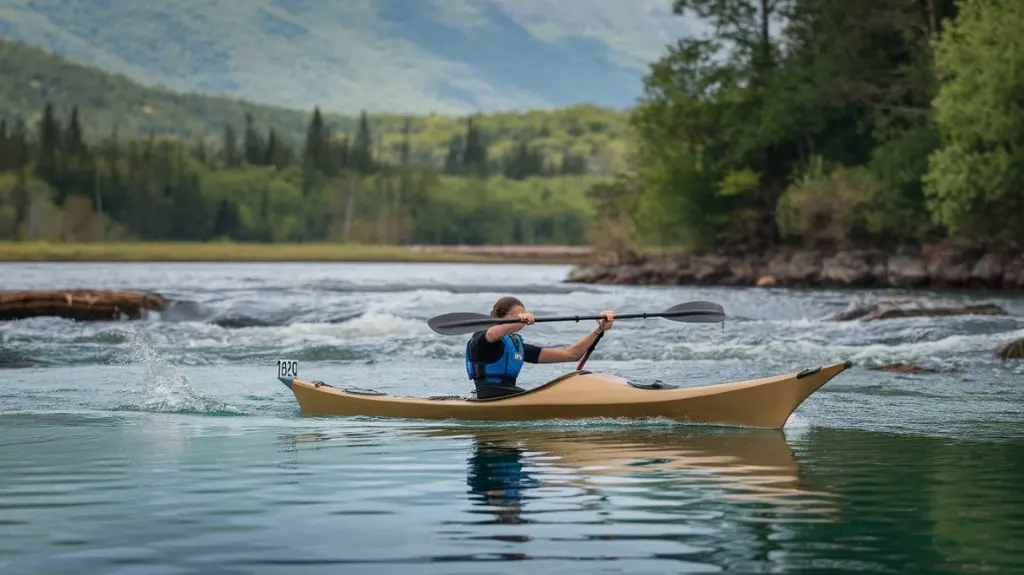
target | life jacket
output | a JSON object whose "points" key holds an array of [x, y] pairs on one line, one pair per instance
{"points": [[501, 372]]}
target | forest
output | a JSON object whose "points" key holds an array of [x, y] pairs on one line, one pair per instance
{"points": [[255, 186], [820, 123], [831, 124]]}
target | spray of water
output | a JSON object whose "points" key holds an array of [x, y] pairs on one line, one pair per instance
{"points": [[162, 388]]}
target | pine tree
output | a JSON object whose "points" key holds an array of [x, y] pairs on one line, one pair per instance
{"points": [[453, 161], [18, 142], [49, 146], [362, 148], [315, 149], [231, 156], [474, 153], [255, 147]]}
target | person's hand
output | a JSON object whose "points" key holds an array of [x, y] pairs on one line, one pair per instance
{"points": [[605, 324], [527, 318]]}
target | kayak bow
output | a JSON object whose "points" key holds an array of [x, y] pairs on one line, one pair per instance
{"points": [[765, 403]]}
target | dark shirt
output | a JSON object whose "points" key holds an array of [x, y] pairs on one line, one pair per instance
{"points": [[485, 351]]}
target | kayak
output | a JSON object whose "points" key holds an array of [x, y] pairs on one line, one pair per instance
{"points": [[763, 403]]}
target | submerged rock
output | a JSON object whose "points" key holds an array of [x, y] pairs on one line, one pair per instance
{"points": [[903, 368], [81, 305], [900, 308], [1012, 350]]}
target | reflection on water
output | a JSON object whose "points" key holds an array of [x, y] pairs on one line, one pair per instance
{"points": [[497, 478], [673, 467]]}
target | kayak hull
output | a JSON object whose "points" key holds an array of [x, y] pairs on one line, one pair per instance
{"points": [[763, 403]]}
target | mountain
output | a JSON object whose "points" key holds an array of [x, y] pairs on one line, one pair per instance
{"points": [[403, 56]]}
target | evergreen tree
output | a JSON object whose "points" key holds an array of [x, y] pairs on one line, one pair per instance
{"points": [[362, 148], [255, 147], [474, 153], [232, 159], [18, 145], [453, 161], [49, 146], [5, 147]]}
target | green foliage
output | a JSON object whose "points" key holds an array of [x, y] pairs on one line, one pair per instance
{"points": [[829, 123], [975, 184], [164, 189]]}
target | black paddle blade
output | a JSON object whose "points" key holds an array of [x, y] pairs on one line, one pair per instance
{"points": [[459, 323], [695, 312]]}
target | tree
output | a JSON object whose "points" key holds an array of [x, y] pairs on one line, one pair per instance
{"points": [[232, 159], [49, 146], [975, 180], [255, 147], [362, 147]]}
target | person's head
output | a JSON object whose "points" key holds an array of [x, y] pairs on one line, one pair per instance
{"points": [[507, 306]]}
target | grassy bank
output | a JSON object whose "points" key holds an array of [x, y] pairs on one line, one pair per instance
{"points": [[319, 252]]}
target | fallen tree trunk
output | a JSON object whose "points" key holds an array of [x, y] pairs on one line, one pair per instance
{"points": [[80, 305]]}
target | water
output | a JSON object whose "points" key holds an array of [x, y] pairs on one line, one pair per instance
{"points": [[167, 445]]}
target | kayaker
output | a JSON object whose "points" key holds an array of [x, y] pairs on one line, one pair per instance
{"points": [[495, 356]]}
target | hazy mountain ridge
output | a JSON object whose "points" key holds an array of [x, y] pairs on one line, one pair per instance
{"points": [[446, 56]]}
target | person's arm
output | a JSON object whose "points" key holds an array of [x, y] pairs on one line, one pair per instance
{"points": [[576, 351], [496, 332], [571, 353]]}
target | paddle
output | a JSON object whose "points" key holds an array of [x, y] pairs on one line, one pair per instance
{"points": [[458, 323]]}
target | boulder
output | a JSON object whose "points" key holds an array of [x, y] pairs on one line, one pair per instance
{"points": [[710, 269], [80, 305], [1013, 274], [805, 268], [988, 271], [846, 269], [1012, 350], [906, 271]]}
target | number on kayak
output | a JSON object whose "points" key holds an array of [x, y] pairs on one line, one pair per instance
{"points": [[287, 368]]}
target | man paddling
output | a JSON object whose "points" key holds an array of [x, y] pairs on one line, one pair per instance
{"points": [[494, 356]]}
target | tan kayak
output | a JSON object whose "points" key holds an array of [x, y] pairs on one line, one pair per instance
{"points": [[765, 403]]}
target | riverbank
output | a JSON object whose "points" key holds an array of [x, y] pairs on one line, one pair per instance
{"points": [[936, 267], [312, 252]]}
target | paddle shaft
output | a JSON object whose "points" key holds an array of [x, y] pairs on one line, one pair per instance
{"points": [[576, 318]]}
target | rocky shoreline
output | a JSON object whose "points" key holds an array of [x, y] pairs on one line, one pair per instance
{"points": [[935, 267]]}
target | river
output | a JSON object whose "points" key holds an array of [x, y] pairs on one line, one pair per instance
{"points": [[167, 445]]}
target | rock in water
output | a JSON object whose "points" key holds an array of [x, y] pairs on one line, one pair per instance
{"points": [[897, 308], [1012, 350], [903, 368], [81, 305]]}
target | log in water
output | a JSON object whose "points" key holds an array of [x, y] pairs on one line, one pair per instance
{"points": [[81, 305]]}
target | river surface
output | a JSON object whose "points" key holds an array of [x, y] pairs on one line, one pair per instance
{"points": [[167, 445]]}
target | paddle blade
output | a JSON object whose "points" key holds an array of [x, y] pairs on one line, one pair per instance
{"points": [[458, 323], [695, 312]]}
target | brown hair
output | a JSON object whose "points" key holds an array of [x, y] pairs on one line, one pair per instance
{"points": [[505, 305]]}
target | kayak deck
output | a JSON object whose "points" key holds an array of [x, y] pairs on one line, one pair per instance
{"points": [[766, 402]]}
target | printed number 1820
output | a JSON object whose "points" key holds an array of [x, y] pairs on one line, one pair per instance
{"points": [[287, 368]]}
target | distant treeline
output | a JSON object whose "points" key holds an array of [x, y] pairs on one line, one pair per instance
{"points": [[255, 185]]}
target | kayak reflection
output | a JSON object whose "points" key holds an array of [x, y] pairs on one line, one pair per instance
{"points": [[668, 466], [497, 477]]}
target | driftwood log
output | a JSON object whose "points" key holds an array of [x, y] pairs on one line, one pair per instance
{"points": [[80, 305]]}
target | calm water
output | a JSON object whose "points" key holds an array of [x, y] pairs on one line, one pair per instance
{"points": [[168, 446]]}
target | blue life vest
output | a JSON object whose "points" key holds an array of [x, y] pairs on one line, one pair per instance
{"points": [[506, 369]]}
